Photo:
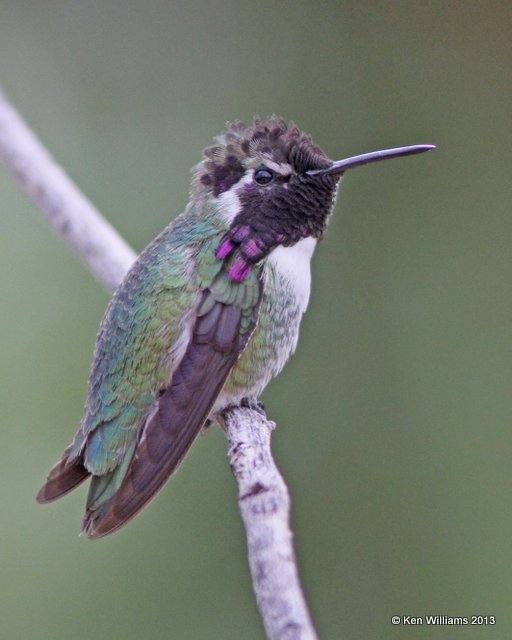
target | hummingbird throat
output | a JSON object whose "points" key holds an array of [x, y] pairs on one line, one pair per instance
{"points": [[262, 217]]}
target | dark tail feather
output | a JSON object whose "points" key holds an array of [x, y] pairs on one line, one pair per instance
{"points": [[64, 477]]}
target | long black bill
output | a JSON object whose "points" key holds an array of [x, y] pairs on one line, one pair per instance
{"points": [[365, 158]]}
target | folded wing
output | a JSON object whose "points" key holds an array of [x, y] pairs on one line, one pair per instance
{"points": [[220, 334]]}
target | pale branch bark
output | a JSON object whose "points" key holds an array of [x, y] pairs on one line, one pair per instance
{"points": [[264, 503], [263, 497], [71, 214]]}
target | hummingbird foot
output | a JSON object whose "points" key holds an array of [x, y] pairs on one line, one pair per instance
{"points": [[256, 405], [245, 403]]}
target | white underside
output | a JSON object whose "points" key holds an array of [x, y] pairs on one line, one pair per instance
{"points": [[289, 278], [293, 265]]}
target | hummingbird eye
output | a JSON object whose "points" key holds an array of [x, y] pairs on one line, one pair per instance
{"points": [[263, 176]]}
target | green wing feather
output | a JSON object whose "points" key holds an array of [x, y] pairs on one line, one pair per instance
{"points": [[220, 334], [137, 348]]}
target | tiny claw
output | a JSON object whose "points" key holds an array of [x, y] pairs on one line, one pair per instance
{"points": [[255, 405]]}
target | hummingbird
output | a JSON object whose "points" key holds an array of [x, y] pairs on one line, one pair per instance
{"points": [[207, 315]]}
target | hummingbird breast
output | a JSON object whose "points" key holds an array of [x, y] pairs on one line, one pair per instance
{"points": [[286, 289]]}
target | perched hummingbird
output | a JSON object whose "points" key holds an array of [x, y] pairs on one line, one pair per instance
{"points": [[206, 316]]}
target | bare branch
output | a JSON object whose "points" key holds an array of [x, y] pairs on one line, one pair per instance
{"points": [[70, 213], [264, 503], [263, 497]]}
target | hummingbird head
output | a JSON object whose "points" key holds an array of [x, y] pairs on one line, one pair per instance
{"points": [[272, 186]]}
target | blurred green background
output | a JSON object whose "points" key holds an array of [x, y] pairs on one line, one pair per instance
{"points": [[394, 416]]}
